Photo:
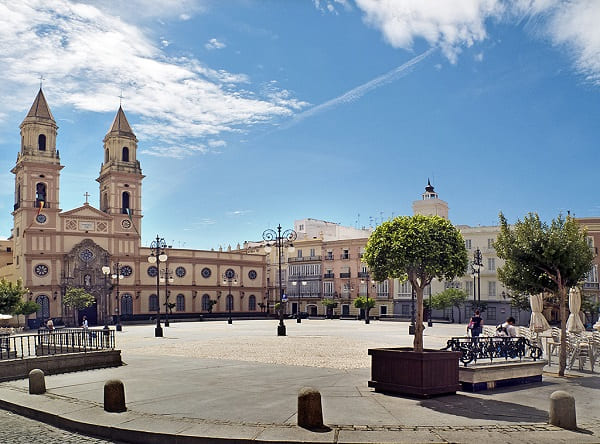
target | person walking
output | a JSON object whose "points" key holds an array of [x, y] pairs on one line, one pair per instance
{"points": [[84, 323], [475, 324]]}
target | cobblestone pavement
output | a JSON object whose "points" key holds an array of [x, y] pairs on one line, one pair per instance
{"points": [[16, 429]]}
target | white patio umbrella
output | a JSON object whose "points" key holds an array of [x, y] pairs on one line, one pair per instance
{"points": [[538, 322], [3, 317], [574, 324]]}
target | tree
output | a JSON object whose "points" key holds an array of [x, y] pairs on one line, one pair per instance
{"points": [[418, 248], [451, 297], [25, 308], [11, 294], [77, 299], [329, 304], [541, 257], [361, 302]]}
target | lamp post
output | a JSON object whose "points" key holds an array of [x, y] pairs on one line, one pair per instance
{"points": [[362, 281], [304, 284], [280, 239], [106, 273], [157, 255], [166, 276], [229, 277], [477, 266], [118, 276]]}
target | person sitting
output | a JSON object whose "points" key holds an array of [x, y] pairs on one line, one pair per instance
{"points": [[507, 329]]}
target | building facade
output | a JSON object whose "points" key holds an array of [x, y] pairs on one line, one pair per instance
{"points": [[52, 250]]}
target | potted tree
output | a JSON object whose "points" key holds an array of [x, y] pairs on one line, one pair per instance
{"points": [[418, 248]]}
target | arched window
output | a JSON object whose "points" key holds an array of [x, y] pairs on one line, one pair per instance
{"points": [[126, 304], [106, 155], [18, 196], [153, 303], [229, 302], [44, 312], [125, 199], [206, 303], [125, 156], [180, 306], [42, 142], [252, 303], [105, 205], [40, 195]]}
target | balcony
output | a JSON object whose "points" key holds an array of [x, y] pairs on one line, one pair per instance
{"points": [[345, 275], [345, 256], [328, 275], [363, 274], [591, 285], [305, 259], [329, 257], [329, 295]]}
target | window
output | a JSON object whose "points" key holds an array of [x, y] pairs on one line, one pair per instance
{"points": [[492, 289], [44, 312], [491, 264], [491, 243], [126, 304], [345, 253], [42, 142], [346, 289], [451, 284], [469, 288], [125, 154], [329, 255], [312, 252], [491, 313], [206, 306], [229, 302], [252, 303], [468, 244], [105, 200], [405, 290], [125, 199], [40, 195], [153, 303], [301, 227], [180, 303], [299, 252], [345, 310], [405, 309], [382, 289], [328, 289], [592, 275], [106, 155], [383, 310]]}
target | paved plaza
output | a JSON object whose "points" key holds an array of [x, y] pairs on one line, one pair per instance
{"points": [[210, 381]]}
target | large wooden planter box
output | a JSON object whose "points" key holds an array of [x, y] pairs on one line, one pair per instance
{"points": [[423, 374]]}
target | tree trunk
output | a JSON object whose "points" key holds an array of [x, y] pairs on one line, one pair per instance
{"points": [[418, 340], [562, 359]]}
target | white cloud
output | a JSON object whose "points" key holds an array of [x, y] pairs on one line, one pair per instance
{"points": [[87, 56], [478, 57], [575, 26], [214, 44], [330, 5], [238, 212]]}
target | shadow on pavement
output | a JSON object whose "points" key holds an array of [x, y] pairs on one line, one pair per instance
{"points": [[477, 408]]}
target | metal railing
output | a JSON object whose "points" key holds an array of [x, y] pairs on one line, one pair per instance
{"points": [[328, 275], [488, 347], [304, 259], [53, 342]]}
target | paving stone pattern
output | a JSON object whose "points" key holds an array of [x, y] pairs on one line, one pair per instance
{"points": [[16, 429]]}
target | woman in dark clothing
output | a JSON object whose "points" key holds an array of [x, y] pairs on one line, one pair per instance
{"points": [[476, 324]]}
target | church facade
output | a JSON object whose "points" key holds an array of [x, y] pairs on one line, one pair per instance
{"points": [[53, 249]]}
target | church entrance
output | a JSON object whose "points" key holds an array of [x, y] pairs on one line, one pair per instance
{"points": [[91, 313]]}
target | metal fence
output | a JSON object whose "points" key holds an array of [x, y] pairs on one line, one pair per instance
{"points": [[52, 342], [483, 347]]}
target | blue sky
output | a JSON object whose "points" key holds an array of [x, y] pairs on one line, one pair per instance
{"points": [[253, 113]]}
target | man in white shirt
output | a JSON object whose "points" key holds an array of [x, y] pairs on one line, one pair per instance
{"points": [[507, 329]]}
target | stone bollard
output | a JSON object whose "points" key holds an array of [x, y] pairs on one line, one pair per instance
{"points": [[37, 384], [310, 413], [562, 410], [114, 396]]}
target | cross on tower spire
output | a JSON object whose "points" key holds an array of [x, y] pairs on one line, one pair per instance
{"points": [[87, 195], [41, 80]]}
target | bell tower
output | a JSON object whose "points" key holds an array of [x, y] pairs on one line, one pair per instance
{"points": [[37, 175], [121, 175], [430, 203]]}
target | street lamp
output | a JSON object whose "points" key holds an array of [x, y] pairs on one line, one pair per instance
{"points": [[166, 276], [280, 239], [301, 291], [362, 281], [106, 273], [157, 253], [118, 276], [229, 277], [477, 267]]}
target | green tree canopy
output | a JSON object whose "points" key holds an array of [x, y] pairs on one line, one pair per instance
{"points": [[11, 294], [77, 299], [25, 308], [451, 297], [329, 303], [541, 257], [418, 248]]}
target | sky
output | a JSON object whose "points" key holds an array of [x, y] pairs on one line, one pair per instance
{"points": [[254, 113]]}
